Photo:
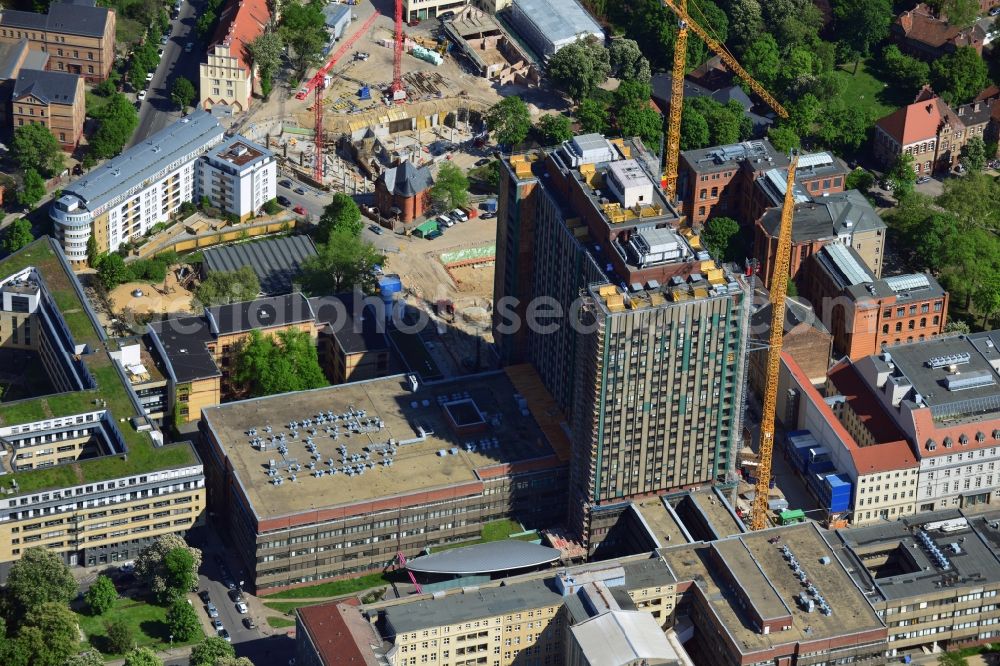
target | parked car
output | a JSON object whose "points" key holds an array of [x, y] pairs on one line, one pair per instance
{"points": [[300, 190], [923, 179], [224, 635], [217, 623], [445, 221], [159, 52], [241, 608], [483, 162], [284, 201], [204, 596], [165, 38], [376, 229], [235, 595], [127, 567], [141, 96], [301, 210], [249, 623], [212, 610], [459, 215], [149, 77], [444, 16], [995, 11], [189, 47], [487, 216]]}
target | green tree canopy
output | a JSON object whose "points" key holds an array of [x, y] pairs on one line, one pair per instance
{"points": [[210, 650], [113, 271], [641, 121], [959, 13], [265, 365], [222, 287], [265, 52], [509, 121], [178, 567], [340, 213], [906, 71], [233, 661], [592, 116], [902, 176], [54, 621], [142, 657], [39, 577], [727, 123], [182, 620], [694, 129], [860, 180], [721, 236], [116, 122], [159, 570], [451, 187], [341, 264], [746, 25], [33, 190], [844, 126], [554, 128], [17, 235], [627, 61], [303, 30], [101, 596], [632, 93], [120, 636], [763, 59], [862, 23], [959, 76], [973, 154], [34, 147], [88, 658], [579, 68], [784, 138], [182, 93]]}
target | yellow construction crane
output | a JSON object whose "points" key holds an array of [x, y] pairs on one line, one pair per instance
{"points": [[679, 7], [779, 287]]}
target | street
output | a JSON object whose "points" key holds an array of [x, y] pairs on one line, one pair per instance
{"points": [[314, 201], [157, 110]]}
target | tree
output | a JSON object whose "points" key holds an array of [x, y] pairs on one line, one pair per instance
{"points": [[113, 271], [973, 154], [627, 61], [578, 68], [182, 93], [210, 650], [222, 287], [553, 129], [120, 636], [151, 565], [960, 13], [302, 29], [721, 236], [39, 577], [632, 93], [143, 657], [727, 123], [93, 254], [862, 23], [117, 121], [265, 53], [974, 200], [843, 126], [959, 76], [342, 264], [952, 659], [233, 661], [860, 180], [907, 71], [178, 566], [641, 121], [340, 213], [101, 596], [34, 147], [182, 619], [763, 59], [451, 187], [18, 235], [266, 365], [592, 116], [694, 129], [33, 190], [56, 623], [986, 296], [509, 120], [88, 658], [784, 138], [746, 23], [902, 176]]}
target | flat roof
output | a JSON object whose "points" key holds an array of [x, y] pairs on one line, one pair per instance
{"points": [[758, 152], [142, 161], [277, 262], [851, 611], [913, 570], [661, 521], [415, 424], [355, 332], [719, 516], [240, 151], [913, 361], [488, 557], [559, 20]]}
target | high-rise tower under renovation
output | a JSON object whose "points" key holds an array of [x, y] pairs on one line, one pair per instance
{"points": [[638, 334]]}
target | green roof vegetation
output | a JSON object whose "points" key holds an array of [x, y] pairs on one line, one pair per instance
{"points": [[142, 455]]}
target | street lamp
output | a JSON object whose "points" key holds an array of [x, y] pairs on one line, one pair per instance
{"points": [[171, 641]]}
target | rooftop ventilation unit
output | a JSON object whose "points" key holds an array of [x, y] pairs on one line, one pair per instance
{"points": [[949, 359]]}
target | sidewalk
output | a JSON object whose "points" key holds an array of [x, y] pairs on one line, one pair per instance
{"points": [[166, 655]]}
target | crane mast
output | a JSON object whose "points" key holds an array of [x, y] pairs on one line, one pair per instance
{"points": [[779, 288]]}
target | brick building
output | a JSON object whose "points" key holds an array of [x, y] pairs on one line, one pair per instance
{"points": [[53, 99], [923, 33], [845, 217], [806, 339], [404, 191], [864, 313], [816, 175], [78, 36]]}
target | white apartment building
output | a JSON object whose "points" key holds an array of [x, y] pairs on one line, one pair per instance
{"points": [[125, 197], [238, 177]]}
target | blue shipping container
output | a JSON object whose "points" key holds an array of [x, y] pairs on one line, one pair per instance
{"points": [[839, 490]]}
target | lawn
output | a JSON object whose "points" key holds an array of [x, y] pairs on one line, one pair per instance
{"points": [[95, 103], [147, 621], [494, 531], [333, 588], [287, 607], [865, 89], [280, 622]]}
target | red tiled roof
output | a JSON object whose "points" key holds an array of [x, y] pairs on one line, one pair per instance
{"points": [[921, 25], [989, 93], [917, 122], [340, 634], [242, 21], [881, 457]]}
